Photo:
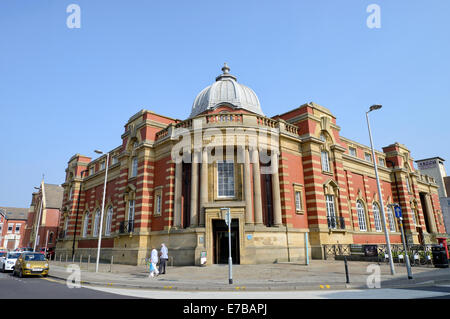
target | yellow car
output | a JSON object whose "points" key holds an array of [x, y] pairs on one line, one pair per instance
{"points": [[31, 264]]}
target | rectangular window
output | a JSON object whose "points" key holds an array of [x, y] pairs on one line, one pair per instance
{"points": [[225, 179], [102, 165], [91, 171], [352, 151], [158, 204], [17, 229], [115, 160], [298, 201], [131, 210], [408, 187], [325, 162], [331, 212], [381, 162], [131, 216], [368, 157], [134, 168], [158, 201], [10, 228]]}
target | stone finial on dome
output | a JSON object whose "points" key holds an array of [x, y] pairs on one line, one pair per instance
{"points": [[226, 73], [226, 68]]}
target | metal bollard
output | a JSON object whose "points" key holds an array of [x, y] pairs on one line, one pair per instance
{"points": [[60, 258], [112, 260], [66, 257], [346, 270], [89, 261], [73, 259], [81, 259]]}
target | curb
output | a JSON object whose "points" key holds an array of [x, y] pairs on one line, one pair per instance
{"points": [[316, 287]]}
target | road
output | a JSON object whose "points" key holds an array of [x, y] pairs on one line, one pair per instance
{"points": [[46, 288]]}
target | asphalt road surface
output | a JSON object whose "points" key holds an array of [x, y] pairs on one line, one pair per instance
{"points": [[46, 288]]}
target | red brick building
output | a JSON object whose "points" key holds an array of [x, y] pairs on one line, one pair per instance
{"points": [[46, 203], [281, 177], [12, 227]]}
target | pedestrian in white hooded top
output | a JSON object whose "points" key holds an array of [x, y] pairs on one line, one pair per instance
{"points": [[153, 261]]}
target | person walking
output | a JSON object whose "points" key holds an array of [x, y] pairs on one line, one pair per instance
{"points": [[153, 261], [164, 256]]}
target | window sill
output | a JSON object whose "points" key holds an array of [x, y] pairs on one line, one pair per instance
{"points": [[300, 212], [336, 230], [327, 173], [225, 198]]}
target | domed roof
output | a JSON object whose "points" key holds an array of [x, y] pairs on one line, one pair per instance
{"points": [[226, 90]]}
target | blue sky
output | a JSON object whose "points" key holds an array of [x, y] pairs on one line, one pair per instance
{"points": [[66, 91]]}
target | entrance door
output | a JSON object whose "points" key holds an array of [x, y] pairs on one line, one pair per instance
{"points": [[11, 244], [221, 242]]}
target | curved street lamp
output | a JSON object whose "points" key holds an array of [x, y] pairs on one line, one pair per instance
{"points": [[103, 209]]}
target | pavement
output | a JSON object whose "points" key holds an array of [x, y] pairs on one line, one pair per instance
{"points": [[318, 275]]}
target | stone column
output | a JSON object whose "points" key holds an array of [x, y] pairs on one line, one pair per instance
{"points": [[257, 187], [276, 190], [247, 189], [194, 189], [430, 214], [178, 186], [203, 186]]}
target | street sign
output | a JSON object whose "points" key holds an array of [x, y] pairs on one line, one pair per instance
{"points": [[398, 211], [225, 214], [227, 218]]}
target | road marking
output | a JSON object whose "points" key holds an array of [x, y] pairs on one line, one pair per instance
{"points": [[53, 280]]}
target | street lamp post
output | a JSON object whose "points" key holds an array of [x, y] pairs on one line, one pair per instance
{"points": [[400, 220], [388, 243], [76, 218], [103, 209], [230, 258], [38, 225]]}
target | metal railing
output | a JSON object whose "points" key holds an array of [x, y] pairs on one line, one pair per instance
{"points": [[418, 254], [126, 226]]}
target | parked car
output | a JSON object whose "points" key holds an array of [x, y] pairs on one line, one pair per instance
{"points": [[22, 249], [31, 264], [9, 260], [2, 255]]}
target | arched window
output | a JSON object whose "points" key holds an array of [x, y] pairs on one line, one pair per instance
{"points": [[361, 216], [85, 224], [109, 216], [391, 219], [376, 216], [96, 222]]}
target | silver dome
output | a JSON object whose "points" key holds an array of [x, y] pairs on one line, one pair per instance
{"points": [[226, 91]]}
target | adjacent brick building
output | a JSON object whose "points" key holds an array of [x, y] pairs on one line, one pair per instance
{"points": [[47, 203], [281, 177], [12, 227]]}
